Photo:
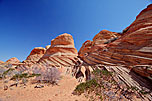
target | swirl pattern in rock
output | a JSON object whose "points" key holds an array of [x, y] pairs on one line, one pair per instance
{"points": [[35, 55], [61, 52], [133, 48]]}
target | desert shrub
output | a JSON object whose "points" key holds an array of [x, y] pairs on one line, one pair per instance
{"points": [[97, 72], [24, 75], [99, 75], [95, 88], [89, 85], [7, 73], [48, 75], [44, 74], [105, 72]]}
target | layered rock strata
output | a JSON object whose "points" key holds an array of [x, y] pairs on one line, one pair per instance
{"points": [[1, 62], [35, 55], [103, 38], [61, 52], [133, 48], [13, 60]]}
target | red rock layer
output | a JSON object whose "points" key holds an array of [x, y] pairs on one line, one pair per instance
{"points": [[100, 40], [13, 60], [35, 55], [134, 47], [61, 52], [1, 62]]}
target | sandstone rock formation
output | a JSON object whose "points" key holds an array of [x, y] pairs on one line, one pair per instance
{"points": [[35, 55], [133, 48], [1, 62], [100, 40], [105, 37], [85, 49], [13, 60], [61, 52], [47, 47]]}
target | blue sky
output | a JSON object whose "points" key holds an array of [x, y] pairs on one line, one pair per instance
{"points": [[25, 24]]}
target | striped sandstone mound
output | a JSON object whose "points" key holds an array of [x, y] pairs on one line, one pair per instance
{"points": [[1, 62], [100, 40], [13, 60], [61, 52], [35, 55]]}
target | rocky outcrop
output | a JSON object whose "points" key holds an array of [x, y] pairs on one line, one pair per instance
{"points": [[85, 49], [61, 52], [13, 60], [47, 47], [1, 62], [133, 48], [105, 37], [35, 55], [129, 79], [100, 40]]}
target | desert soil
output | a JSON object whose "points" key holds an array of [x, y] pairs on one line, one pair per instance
{"points": [[61, 92]]}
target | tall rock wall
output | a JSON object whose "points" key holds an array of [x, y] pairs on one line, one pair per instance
{"points": [[134, 47]]}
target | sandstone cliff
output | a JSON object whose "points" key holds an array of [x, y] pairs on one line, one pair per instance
{"points": [[128, 56], [133, 48]]}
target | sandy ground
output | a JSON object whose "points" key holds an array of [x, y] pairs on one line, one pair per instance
{"points": [[62, 92]]}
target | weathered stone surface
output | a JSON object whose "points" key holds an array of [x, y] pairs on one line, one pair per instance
{"points": [[85, 49], [100, 40], [145, 71], [1, 62], [63, 39], [134, 47], [13, 60], [129, 79], [47, 47], [35, 55], [61, 52], [105, 37]]}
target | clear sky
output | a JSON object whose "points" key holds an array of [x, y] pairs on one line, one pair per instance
{"points": [[25, 24]]}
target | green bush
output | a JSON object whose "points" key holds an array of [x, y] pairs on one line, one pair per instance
{"points": [[24, 75], [9, 70], [3, 75], [89, 85], [105, 72], [98, 72]]}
